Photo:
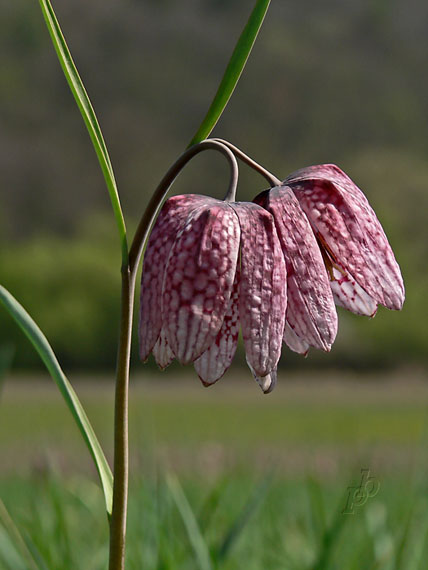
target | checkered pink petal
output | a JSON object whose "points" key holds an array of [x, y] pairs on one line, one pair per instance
{"points": [[350, 231], [268, 382], [171, 218], [349, 295], [311, 312], [162, 351], [199, 278], [295, 343], [262, 292], [218, 357]]}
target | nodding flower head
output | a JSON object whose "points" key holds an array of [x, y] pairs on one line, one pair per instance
{"points": [[210, 268], [360, 264], [273, 268]]}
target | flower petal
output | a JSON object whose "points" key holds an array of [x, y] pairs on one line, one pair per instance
{"points": [[268, 382], [310, 305], [162, 351], [349, 295], [198, 280], [218, 357], [350, 231], [294, 342], [262, 292], [170, 220]]}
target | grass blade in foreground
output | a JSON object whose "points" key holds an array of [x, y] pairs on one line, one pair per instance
{"points": [[193, 531], [235, 530], [233, 70], [46, 353], [16, 538], [88, 114], [7, 352]]}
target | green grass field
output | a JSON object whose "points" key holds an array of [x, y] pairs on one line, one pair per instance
{"points": [[223, 477]]}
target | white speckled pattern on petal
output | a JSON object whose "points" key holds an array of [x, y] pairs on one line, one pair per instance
{"points": [[170, 220], [262, 292], [218, 357], [340, 213], [199, 278], [162, 351], [311, 312], [349, 295]]}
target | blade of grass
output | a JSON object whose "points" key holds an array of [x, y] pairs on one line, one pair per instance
{"points": [[193, 531], [330, 537], [47, 355], [233, 71], [7, 352], [16, 538], [211, 503], [316, 507], [88, 114], [39, 560], [235, 530], [401, 545]]}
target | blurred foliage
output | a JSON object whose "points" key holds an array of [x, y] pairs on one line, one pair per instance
{"points": [[328, 81], [71, 288]]}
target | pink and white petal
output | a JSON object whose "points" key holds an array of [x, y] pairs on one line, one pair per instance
{"points": [[349, 295], [331, 173], [263, 286], [218, 357], [311, 312], [294, 342], [162, 351], [268, 382], [171, 219], [198, 280], [340, 213]]}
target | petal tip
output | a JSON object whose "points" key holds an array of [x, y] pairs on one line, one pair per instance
{"points": [[206, 384]]}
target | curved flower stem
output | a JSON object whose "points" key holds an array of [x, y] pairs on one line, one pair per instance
{"points": [[164, 185], [273, 180], [129, 273]]}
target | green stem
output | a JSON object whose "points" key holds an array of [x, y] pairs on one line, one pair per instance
{"points": [[120, 469], [164, 185], [271, 178]]}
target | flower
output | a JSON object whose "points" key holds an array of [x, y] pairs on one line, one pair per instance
{"points": [[311, 318], [210, 267], [360, 263]]}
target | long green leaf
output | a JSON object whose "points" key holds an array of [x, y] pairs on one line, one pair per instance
{"points": [[88, 114], [233, 70], [46, 353]]}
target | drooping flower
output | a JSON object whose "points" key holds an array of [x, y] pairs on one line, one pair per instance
{"points": [[211, 267], [361, 266], [311, 318]]}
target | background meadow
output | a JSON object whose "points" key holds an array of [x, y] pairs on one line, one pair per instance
{"points": [[327, 81]]}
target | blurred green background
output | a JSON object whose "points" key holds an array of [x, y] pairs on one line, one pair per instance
{"points": [[338, 81], [328, 81]]}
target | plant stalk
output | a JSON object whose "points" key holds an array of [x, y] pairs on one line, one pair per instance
{"points": [[271, 178], [129, 273], [121, 453], [164, 185]]}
